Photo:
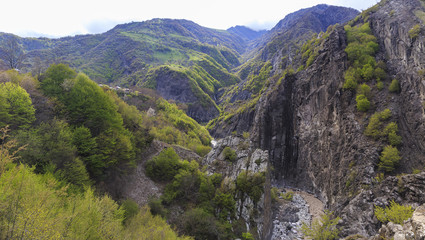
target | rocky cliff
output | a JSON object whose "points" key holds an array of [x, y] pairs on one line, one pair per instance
{"points": [[315, 135]]}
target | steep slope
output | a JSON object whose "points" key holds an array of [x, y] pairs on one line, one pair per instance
{"points": [[299, 26], [277, 52], [310, 121]]}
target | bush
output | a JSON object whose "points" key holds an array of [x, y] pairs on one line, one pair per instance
{"points": [[394, 86], [325, 228], [288, 195], [395, 213], [391, 131], [229, 154], [363, 104], [164, 166], [131, 209], [389, 158], [380, 85], [414, 32], [374, 128], [364, 89], [156, 207]]}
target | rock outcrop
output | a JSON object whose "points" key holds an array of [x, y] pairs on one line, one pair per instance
{"points": [[253, 160], [413, 228]]}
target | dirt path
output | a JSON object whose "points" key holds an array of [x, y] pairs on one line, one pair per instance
{"points": [[316, 206]]}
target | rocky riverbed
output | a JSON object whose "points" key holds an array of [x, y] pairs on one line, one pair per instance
{"points": [[289, 215]]}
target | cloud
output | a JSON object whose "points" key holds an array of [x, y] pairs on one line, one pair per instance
{"points": [[100, 26]]}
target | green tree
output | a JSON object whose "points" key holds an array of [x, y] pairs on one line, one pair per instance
{"points": [[395, 213], [17, 103], [164, 166], [323, 229], [53, 79], [394, 86], [363, 103], [389, 158], [229, 154]]}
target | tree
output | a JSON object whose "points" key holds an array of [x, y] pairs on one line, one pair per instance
{"points": [[394, 86], [12, 53], [20, 112], [389, 158], [323, 229]]}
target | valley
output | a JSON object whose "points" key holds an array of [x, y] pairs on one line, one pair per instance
{"points": [[176, 131]]}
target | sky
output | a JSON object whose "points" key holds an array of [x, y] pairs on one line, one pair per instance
{"points": [[59, 18]]}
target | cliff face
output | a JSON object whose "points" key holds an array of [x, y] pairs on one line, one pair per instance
{"points": [[315, 135]]}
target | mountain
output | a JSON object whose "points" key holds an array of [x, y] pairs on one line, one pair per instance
{"points": [[318, 113], [310, 115], [273, 53], [246, 33], [130, 54]]}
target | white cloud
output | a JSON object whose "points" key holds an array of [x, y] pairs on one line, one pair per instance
{"points": [[62, 18]]}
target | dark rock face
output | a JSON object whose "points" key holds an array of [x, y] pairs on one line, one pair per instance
{"points": [[315, 135]]}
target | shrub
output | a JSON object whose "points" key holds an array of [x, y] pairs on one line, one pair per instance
{"points": [[364, 89], [288, 195], [131, 209], [380, 85], [247, 236], [325, 228], [373, 129], [274, 194], [251, 184], [395, 213], [362, 103], [394, 86], [156, 207], [229, 154], [391, 131], [414, 32], [164, 166], [389, 158]]}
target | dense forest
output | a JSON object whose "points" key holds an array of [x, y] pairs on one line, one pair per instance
{"points": [[62, 135]]}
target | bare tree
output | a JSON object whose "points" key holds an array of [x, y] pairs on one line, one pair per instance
{"points": [[12, 53]]}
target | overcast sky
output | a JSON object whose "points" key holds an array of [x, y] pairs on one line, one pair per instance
{"points": [[57, 18]]}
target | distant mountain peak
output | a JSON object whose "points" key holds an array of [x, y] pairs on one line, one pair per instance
{"points": [[246, 33]]}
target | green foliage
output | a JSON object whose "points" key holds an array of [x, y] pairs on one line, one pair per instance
{"points": [[274, 194], [374, 128], [156, 207], [199, 224], [53, 79], [363, 103], [229, 154], [173, 126], [415, 31], [131, 209], [391, 131], [247, 236], [251, 184], [16, 108], [380, 85], [361, 49], [394, 86], [350, 77], [323, 229], [256, 81], [289, 195], [37, 207], [164, 166], [395, 213], [389, 158]]}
